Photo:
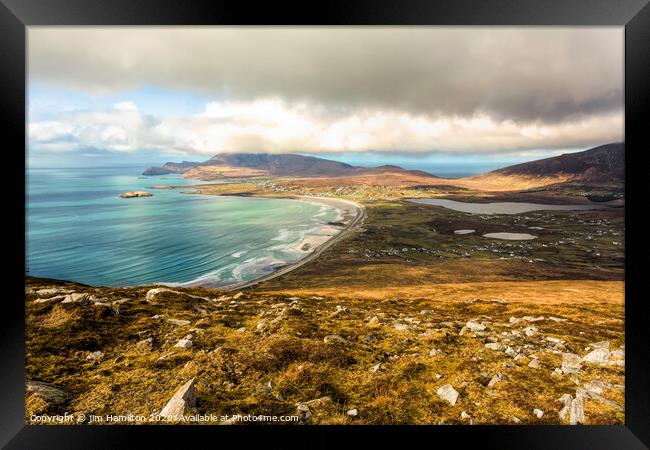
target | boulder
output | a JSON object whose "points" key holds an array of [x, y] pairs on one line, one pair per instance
{"points": [[598, 356], [76, 298], [304, 414], [184, 343], [51, 394], [448, 393], [334, 339], [475, 326], [184, 398], [497, 378], [571, 363]]}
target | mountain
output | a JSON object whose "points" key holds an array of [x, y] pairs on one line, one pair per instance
{"points": [[170, 167], [278, 165], [602, 166]]}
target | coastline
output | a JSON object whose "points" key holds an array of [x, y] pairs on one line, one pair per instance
{"points": [[352, 215]]}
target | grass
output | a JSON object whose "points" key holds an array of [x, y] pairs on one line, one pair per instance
{"points": [[231, 366]]}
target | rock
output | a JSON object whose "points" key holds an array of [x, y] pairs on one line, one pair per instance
{"points": [[304, 414], [51, 394], [475, 326], [334, 339], [319, 402], [617, 355], [602, 344], [514, 320], [241, 330], [533, 319], [448, 393], [261, 325], [352, 413], [577, 415], [534, 364], [76, 298], [267, 388], [557, 319], [374, 322], [342, 309], [566, 400], [179, 322], [53, 291], [598, 356], [237, 295], [145, 344], [510, 352], [538, 413], [51, 299], [370, 339], [181, 402], [497, 378], [434, 352], [375, 368], [401, 327], [571, 363], [516, 419], [184, 343], [494, 346], [94, 356], [465, 416], [133, 194], [426, 313], [530, 330], [596, 387]]}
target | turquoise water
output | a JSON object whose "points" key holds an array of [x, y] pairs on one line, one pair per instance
{"points": [[79, 229]]}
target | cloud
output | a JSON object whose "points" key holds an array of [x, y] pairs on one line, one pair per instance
{"points": [[277, 126], [548, 75]]}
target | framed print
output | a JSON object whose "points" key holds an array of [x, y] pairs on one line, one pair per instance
{"points": [[371, 219]]}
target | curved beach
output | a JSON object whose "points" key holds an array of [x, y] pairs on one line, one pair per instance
{"points": [[352, 214]]}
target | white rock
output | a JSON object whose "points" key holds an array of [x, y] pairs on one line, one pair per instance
{"points": [[475, 326], [51, 299], [53, 291], [334, 339], [534, 364], [571, 363], [530, 330], [179, 322], [464, 415], [184, 343], [434, 352], [181, 402], [374, 322], [237, 295], [353, 413], [448, 393], [496, 379], [401, 327], [494, 346], [95, 356], [76, 298], [598, 356], [538, 413]]}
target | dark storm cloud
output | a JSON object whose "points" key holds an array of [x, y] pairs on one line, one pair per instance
{"points": [[525, 75]]}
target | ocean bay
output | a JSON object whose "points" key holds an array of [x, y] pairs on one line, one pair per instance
{"points": [[79, 229]]}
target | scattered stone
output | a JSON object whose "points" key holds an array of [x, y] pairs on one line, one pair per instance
{"points": [[237, 295], [51, 299], [241, 330], [53, 291], [94, 356], [497, 378], [571, 363], [375, 368], [494, 346], [374, 322], [76, 298], [435, 351], [598, 356], [267, 388], [342, 309], [516, 419], [304, 414], [401, 327], [370, 339], [510, 352], [534, 364], [352, 413], [145, 344], [49, 393], [475, 326], [178, 322], [334, 339], [533, 319], [184, 343], [530, 330], [557, 319], [538, 413], [183, 400], [465, 416], [448, 393]]}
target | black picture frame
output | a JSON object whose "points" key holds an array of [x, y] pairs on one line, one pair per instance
{"points": [[16, 15]]}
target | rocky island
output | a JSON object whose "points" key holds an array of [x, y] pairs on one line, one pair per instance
{"points": [[132, 194]]}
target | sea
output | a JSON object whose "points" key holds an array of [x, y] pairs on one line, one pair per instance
{"points": [[79, 229]]}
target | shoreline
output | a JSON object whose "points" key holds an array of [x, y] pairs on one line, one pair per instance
{"points": [[350, 220]]}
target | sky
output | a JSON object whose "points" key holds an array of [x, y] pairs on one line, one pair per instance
{"points": [[482, 96]]}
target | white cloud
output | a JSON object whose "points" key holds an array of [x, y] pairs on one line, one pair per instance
{"points": [[273, 125]]}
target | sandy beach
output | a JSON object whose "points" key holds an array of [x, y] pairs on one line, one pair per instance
{"points": [[350, 215]]}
